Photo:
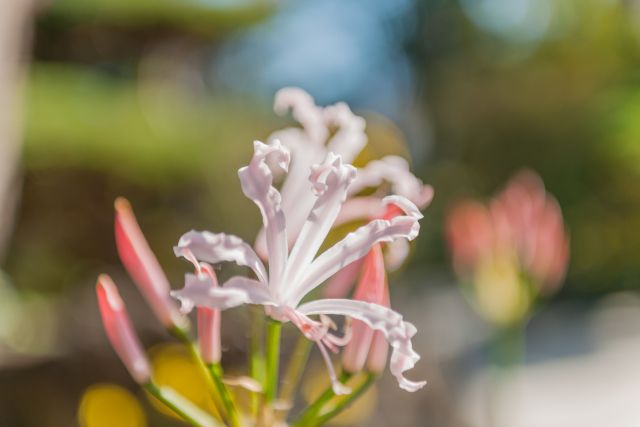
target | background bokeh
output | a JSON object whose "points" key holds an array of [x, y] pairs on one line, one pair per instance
{"points": [[159, 100]]}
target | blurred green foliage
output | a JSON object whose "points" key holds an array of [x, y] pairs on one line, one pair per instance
{"points": [[207, 17], [566, 107]]}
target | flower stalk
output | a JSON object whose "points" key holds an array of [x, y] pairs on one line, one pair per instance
{"points": [[274, 331], [207, 375], [215, 370], [308, 417], [345, 401], [296, 366], [182, 407]]}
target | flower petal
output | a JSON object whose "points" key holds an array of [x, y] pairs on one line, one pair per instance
{"points": [[394, 170], [198, 291], [350, 138], [360, 209], [256, 180], [304, 111], [219, 247], [356, 245], [390, 323], [297, 199], [330, 181]]}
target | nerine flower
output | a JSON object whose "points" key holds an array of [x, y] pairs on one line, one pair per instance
{"points": [[294, 274], [336, 129]]}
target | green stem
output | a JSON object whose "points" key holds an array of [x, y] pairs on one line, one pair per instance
{"points": [[309, 415], [178, 404], [256, 360], [346, 401], [506, 352], [297, 363], [274, 329], [227, 399], [206, 375]]}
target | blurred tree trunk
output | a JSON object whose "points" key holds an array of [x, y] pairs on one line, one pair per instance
{"points": [[15, 35]]}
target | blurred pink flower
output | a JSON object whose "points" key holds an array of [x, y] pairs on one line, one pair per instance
{"points": [[523, 221], [292, 275], [120, 332], [143, 266]]}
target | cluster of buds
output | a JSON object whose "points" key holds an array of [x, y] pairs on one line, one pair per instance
{"points": [[144, 268], [512, 250]]}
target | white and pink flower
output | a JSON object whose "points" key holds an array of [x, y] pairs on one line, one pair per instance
{"points": [[335, 129], [292, 274]]}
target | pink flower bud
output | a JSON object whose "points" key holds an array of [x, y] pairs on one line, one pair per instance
{"points": [[118, 327], [377, 359], [142, 265], [372, 287], [209, 326]]}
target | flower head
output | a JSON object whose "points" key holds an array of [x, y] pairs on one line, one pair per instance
{"points": [[293, 274], [335, 129]]}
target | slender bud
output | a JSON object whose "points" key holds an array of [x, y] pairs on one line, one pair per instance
{"points": [[209, 326], [118, 327], [377, 358], [370, 288], [143, 266]]}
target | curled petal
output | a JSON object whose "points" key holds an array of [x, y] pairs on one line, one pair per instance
{"points": [[256, 180], [356, 245], [304, 111], [297, 199], [219, 247], [394, 170], [331, 180], [406, 205], [236, 291], [390, 323], [120, 332], [359, 209], [143, 266], [350, 137]]}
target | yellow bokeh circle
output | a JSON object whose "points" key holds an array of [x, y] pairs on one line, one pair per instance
{"points": [[108, 405]]}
